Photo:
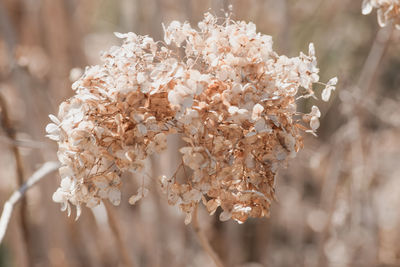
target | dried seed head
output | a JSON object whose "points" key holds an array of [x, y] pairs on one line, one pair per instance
{"points": [[231, 96]]}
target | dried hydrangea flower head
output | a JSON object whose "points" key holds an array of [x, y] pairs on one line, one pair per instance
{"points": [[230, 97], [387, 10]]}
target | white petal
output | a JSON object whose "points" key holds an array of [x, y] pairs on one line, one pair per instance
{"points": [[332, 81], [68, 209], [142, 192], [311, 49], [141, 77], [188, 218], [54, 119], [366, 7], [314, 123], [225, 215], [257, 110], [119, 35], [114, 195], [233, 109], [52, 128], [78, 212], [381, 18], [124, 35], [53, 137], [66, 184], [326, 94], [58, 196], [315, 111], [174, 98]]}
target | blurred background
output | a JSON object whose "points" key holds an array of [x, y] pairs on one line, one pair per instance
{"points": [[338, 201]]}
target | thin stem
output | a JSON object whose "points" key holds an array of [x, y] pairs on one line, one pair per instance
{"points": [[46, 168], [176, 171], [23, 143], [204, 241], [116, 230], [371, 68], [6, 124], [374, 58]]}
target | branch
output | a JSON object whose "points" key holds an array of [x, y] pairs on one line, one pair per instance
{"points": [[6, 124], [204, 241], [46, 168], [116, 230], [371, 65], [23, 143]]}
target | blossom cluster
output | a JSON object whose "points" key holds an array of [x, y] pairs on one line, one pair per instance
{"points": [[387, 10], [221, 87]]}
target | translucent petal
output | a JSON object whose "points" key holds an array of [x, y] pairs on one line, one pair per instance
{"points": [[333, 81], [326, 94], [54, 119], [142, 192], [52, 128], [225, 215], [366, 7], [114, 195], [314, 123], [311, 49], [381, 18]]}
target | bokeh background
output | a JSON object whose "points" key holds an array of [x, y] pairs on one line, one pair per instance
{"points": [[338, 201]]}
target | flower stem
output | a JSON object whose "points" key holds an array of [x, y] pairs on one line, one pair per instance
{"points": [[204, 241]]}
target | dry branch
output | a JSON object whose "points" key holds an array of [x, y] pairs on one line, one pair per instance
{"points": [[46, 168], [204, 241], [6, 124], [374, 59], [117, 232]]}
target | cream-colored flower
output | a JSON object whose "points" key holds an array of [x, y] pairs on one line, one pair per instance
{"points": [[231, 97]]}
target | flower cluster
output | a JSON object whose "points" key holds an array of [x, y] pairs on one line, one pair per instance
{"points": [[387, 10], [221, 87]]}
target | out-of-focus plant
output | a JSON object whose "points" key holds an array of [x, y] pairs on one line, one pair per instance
{"points": [[387, 10]]}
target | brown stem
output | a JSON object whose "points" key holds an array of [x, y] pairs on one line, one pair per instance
{"points": [[204, 241], [116, 230], [374, 58], [23, 143], [371, 68], [11, 134]]}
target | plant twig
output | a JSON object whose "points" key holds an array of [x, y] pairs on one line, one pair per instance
{"points": [[46, 168], [374, 58], [204, 241], [6, 124], [116, 230], [23, 143]]}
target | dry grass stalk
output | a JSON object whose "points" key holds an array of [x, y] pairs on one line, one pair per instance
{"points": [[204, 242], [6, 124], [116, 230], [47, 168]]}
